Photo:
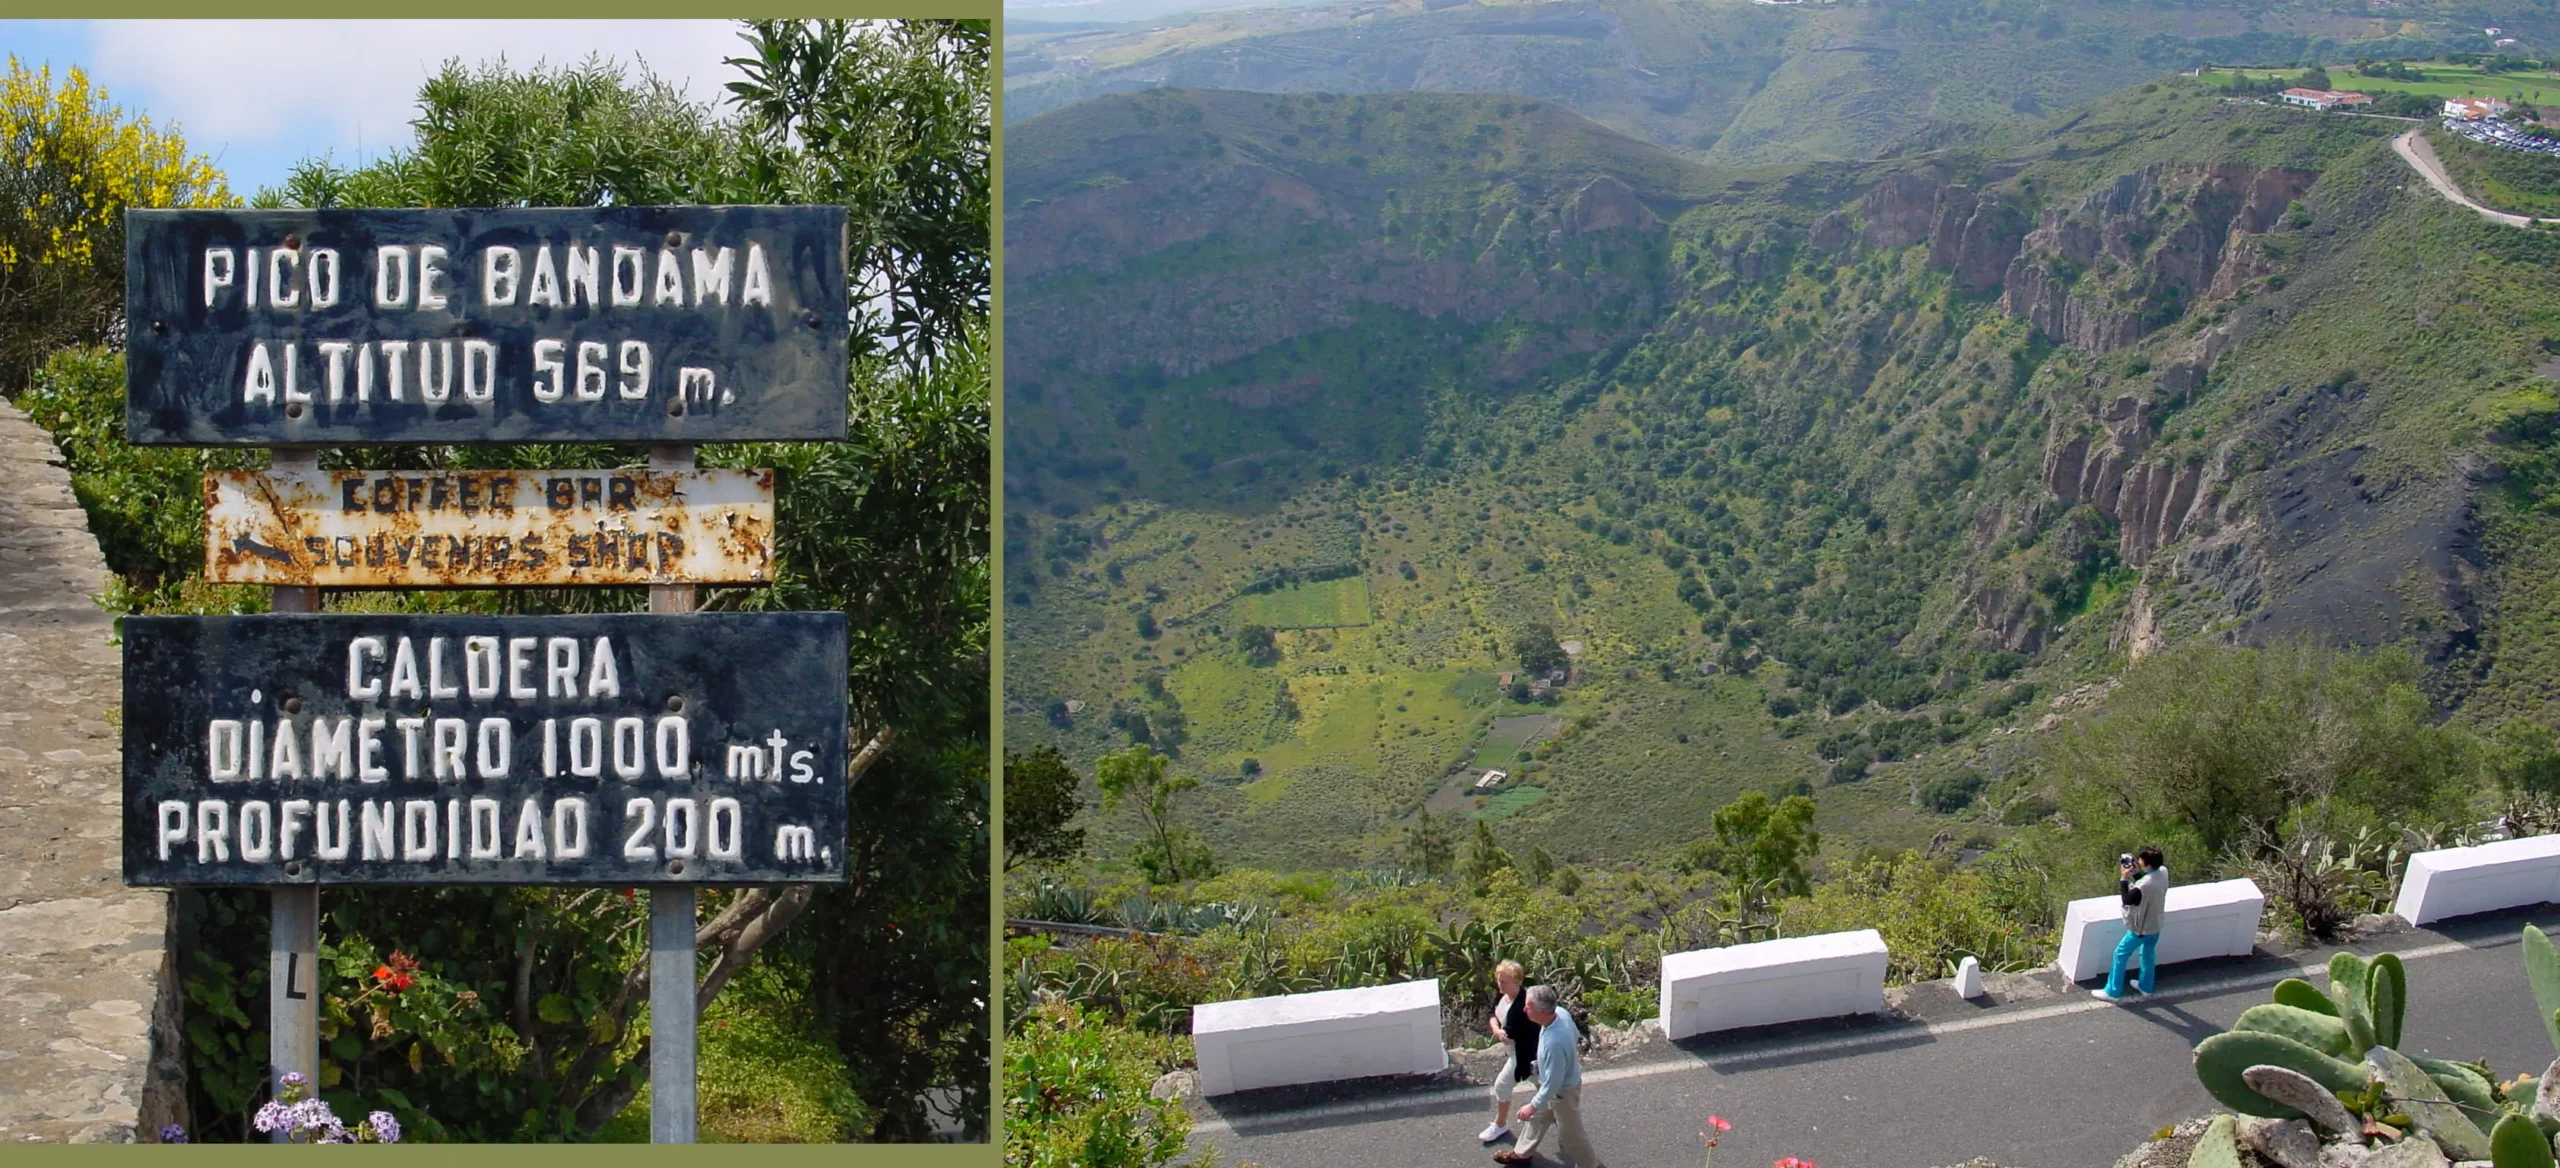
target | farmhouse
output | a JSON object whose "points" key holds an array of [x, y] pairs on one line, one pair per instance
{"points": [[2470, 108], [2321, 99], [1491, 779]]}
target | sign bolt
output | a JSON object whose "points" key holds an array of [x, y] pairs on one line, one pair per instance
{"points": [[293, 705], [675, 703]]}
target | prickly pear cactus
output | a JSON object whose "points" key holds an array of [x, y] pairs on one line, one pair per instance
{"points": [[2542, 968], [2303, 995], [2219, 1147], [2517, 1143], [2386, 997], [2465, 1085], [2428, 1105], [2346, 988], [2321, 1032], [2223, 1060]]}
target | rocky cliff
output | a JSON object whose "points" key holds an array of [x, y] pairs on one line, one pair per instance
{"points": [[2134, 254]]}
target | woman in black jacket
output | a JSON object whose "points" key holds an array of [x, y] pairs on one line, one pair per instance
{"points": [[1511, 1026]]}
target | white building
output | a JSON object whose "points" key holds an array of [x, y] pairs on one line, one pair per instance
{"points": [[2474, 107], [2321, 99], [1491, 779]]}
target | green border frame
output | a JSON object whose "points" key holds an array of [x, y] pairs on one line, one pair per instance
{"points": [[888, 1155]]}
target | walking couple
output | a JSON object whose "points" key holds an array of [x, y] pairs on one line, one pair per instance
{"points": [[1543, 1045]]}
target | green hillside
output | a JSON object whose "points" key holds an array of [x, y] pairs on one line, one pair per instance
{"points": [[1741, 83], [1836, 478]]}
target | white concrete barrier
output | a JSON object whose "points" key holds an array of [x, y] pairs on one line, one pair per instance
{"points": [[2201, 920], [1787, 980], [1319, 1037], [2458, 881]]}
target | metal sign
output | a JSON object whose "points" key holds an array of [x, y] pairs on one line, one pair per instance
{"points": [[702, 748], [598, 324], [488, 528]]}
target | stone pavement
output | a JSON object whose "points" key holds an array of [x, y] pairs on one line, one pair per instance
{"points": [[83, 959]]}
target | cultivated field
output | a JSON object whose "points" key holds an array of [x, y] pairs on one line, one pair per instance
{"points": [[1329, 604]]}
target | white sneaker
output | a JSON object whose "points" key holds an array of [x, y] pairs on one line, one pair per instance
{"points": [[2104, 996], [1492, 1132]]}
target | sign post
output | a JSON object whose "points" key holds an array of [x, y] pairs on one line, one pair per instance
{"points": [[673, 1026], [293, 913], [668, 750]]}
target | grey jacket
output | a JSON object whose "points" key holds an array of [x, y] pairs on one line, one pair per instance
{"points": [[2145, 896]]}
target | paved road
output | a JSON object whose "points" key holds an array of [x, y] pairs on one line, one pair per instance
{"points": [[2414, 149], [2060, 1082]]}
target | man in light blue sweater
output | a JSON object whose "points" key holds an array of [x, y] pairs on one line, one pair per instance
{"points": [[1558, 1103]]}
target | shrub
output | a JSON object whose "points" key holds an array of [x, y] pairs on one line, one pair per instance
{"points": [[1076, 1094]]}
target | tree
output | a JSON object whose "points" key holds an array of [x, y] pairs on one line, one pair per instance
{"points": [[1170, 852], [2526, 758], [1426, 846], [2208, 750], [71, 163], [890, 120], [1540, 866], [1040, 803], [1762, 843], [1484, 856], [1538, 650], [1260, 645]]}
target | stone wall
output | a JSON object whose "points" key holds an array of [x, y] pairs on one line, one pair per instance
{"points": [[87, 976]]}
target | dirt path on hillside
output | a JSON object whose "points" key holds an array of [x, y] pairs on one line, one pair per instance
{"points": [[2421, 156]]}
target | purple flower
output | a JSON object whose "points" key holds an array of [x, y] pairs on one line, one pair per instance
{"points": [[294, 1079], [173, 1134], [385, 1128], [271, 1115], [312, 1115]]}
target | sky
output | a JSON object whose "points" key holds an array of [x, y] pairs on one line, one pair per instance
{"points": [[257, 96]]}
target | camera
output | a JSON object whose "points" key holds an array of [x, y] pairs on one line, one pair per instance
{"points": [[2126, 859]]}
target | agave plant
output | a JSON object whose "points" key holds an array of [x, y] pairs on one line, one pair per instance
{"points": [[1066, 904]]}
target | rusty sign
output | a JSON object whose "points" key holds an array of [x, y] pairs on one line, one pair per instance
{"points": [[633, 748], [488, 528], [339, 327]]}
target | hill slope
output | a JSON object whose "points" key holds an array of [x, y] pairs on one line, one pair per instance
{"points": [[1837, 477], [1734, 82]]}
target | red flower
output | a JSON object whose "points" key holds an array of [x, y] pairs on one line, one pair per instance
{"points": [[382, 973], [401, 981], [1718, 1122]]}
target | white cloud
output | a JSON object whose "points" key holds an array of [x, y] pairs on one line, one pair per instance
{"points": [[336, 83]]}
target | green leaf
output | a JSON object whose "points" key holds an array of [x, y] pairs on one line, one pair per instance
{"points": [[2302, 995], [556, 1009], [2542, 968], [2386, 995], [2518, 1143]]}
